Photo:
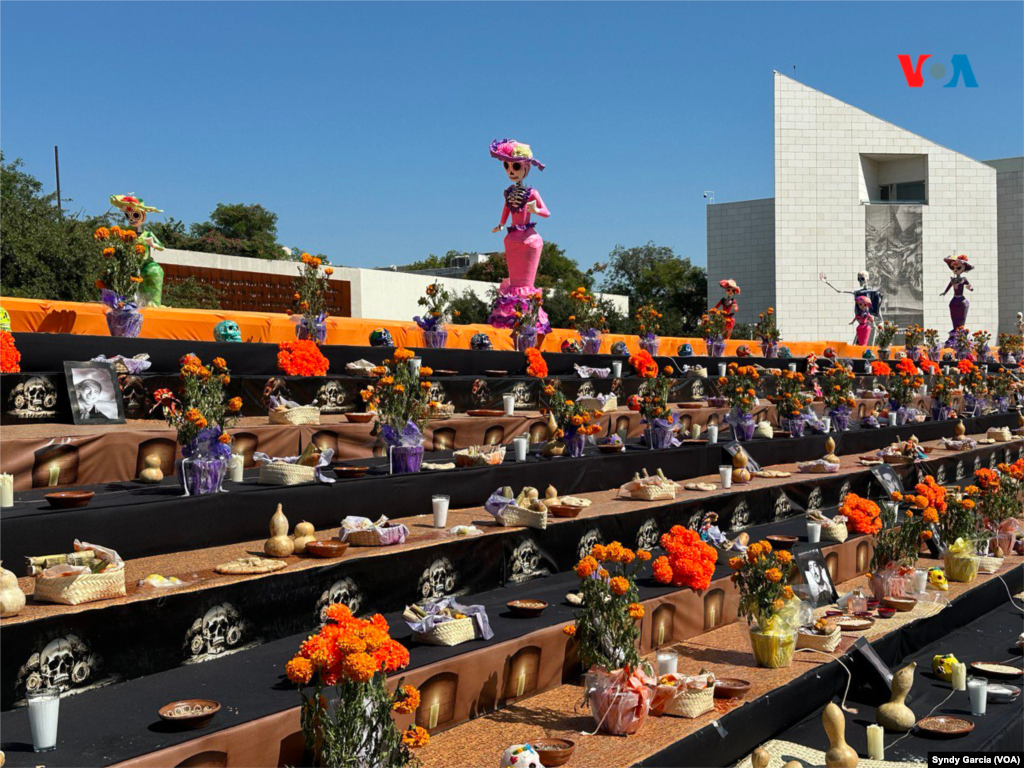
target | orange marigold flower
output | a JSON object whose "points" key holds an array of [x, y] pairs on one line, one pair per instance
{"points": [[787, 592], [784, 557], [225, 438], [407, 700], [643, 555], [235, 404], [636, 611], [569, 630], [359, 667], [416, 737], [619, 585], [108, 251], [736, 563], [773, 575], [299, 670]]}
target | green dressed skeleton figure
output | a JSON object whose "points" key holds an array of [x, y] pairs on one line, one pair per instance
{"points": [[135, 210]]}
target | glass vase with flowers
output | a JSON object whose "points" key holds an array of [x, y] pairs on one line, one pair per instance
{"points": [[439, 312], [647, 320], [837, 390], [886, 333], [913, 336], [896, 545], [399, 394], [739, 388], [569, 422], [931, 340], [711, 327], [790, 400], [310, 299], [980, 347], [974, 385], [201, 414], [766, 330], [651, 400], [767, 603], [901, 386], [1011, 345], [942, 390], [1002, 386], [588, 319], [123, 257], [1000, 503], [525, 322]]}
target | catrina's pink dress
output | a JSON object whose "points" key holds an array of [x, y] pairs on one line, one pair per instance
{"points": [[863, 332], [522, 254]]}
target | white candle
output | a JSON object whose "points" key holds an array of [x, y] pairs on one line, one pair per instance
{"points": [[509, 401], [616, 369], [43, 713], [977, 689], [876, 746], [440, 510], [6, 490], [712, 433], [54, 475], [520, 445], [237, 467], [668, 662], [959, 681], [813, 532], [711, 615], [725, 472]]}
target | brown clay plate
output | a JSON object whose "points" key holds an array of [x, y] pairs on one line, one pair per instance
{"points": [[359, 418], [345, 471], [564, 510], [495, 373], [902, 604], [782, 542], [945, 727], [854, 623], [490, 412], [444, 372], [526, 609], [69, 499], [190, 713], [611, 448], [553, 752], [996, 670], [696, 406], [329, 548], [730, 688]]}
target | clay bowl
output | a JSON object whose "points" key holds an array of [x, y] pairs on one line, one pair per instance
{"points": [[1000, 693], [345, 471], [944, 727], [694, 406], [731, 688], [993, 669], [359, 418], [189, 713], [444, 372], [328, 548], [901, 604], [886, 613], [487, 412], [69, 499], [564, 510], [782, 542], [495, 373], [553, 752], [526, 609], [611, 448]]}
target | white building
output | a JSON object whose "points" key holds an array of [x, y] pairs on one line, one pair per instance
{"points": [[854, 192]]}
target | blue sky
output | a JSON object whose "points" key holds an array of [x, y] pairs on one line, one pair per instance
{"points": [[365, 126]]}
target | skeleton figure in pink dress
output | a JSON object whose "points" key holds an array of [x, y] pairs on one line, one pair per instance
{"points": [[522, 243]]}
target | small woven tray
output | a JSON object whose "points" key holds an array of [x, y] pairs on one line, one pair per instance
{"points": [[448, 633], [373, 537], [654, 492], [513, 515], [305, 414], [80, 588], [283, 473], [826, 643], [835, 532], [445, 411]]}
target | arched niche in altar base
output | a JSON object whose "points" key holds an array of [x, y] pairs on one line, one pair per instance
{"points": [[522, 670], [713, 420], [246, 444], [437, 700], [863, 556], [663, 620], [538, 432], [292, 750], [572, 669], [208, 759], [325, 439], [714, 608], [494, 435], [444, 439], [686, 421], [622, 425], [163, 447], [832, 565], [55, 465]]}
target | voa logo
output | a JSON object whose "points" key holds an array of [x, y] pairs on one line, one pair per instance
{"points": [[960, 65]]}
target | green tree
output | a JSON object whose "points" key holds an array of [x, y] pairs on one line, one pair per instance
{"points": [[190, 293], [433, 262], [44, 255], [471, 308], [654, 274], [236, 229]]}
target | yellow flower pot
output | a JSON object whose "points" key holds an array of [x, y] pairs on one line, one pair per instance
{"points": [[772, 651], [961, 567]]}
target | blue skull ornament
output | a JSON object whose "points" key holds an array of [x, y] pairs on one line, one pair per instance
{"points": [[620, 348], [480, 341], [785, 353], [227, 330], [381, 337], [685, 350]]}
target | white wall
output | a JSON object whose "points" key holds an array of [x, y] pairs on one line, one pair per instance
{"points": [[741, 246], [819, 216], [377, 294], [1010, 191]]}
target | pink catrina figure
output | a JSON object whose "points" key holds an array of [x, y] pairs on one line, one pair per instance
{"points": [[863, 318], [522, 243]]}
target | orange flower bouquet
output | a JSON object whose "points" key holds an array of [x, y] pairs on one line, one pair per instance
{"points": [[301, 358], [310, 299], [400, 397], [607, 633], [354, 657], [536, 366], [568, 420], [862, 515], [689, 562], [123, 257], [10, 357], [767, 602]]}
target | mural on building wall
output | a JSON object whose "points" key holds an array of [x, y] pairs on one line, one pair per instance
{"points": [[894, 258]]}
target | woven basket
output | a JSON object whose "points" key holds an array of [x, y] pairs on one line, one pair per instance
{"points": [[691, 703], [835, 532], [445, 411], [653, 492], [898, 460], [283, 473], [515, 515], [80, 588], [368, 538], [448, 633], [305, 414], [826, 643]]}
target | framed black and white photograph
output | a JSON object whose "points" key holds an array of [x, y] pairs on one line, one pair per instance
{"points": [[820, 589], [887, 478], [94, 393]]}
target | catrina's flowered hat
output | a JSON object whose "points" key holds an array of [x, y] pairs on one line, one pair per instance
{"points": [[131, 203], [729, 285], [961, 260], [513, 151]]}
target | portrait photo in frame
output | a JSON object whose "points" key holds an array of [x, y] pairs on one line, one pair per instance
{"points": [[94, 392], [819, 587]]}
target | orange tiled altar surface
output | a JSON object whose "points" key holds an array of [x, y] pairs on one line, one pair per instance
{"points": [[34, 315]]}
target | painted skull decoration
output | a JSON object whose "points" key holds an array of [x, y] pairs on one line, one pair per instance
{"points": [[227, 330]]}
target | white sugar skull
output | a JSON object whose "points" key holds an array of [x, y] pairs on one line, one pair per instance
{"points": [[648, 535], [977, 463], [960, 470], [697, 390], [586, 390], [940, 474], [436, 393], [844, 491], [694, 522]]}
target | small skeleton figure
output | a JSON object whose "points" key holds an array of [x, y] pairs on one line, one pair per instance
{"points": [[873, 307]]}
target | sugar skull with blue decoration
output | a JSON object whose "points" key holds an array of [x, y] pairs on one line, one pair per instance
{"points": [[381, 337], [685, 350], [227, 330], [520, 756], [785, 353], [620, 348], [571, 347], [480, 341]]}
